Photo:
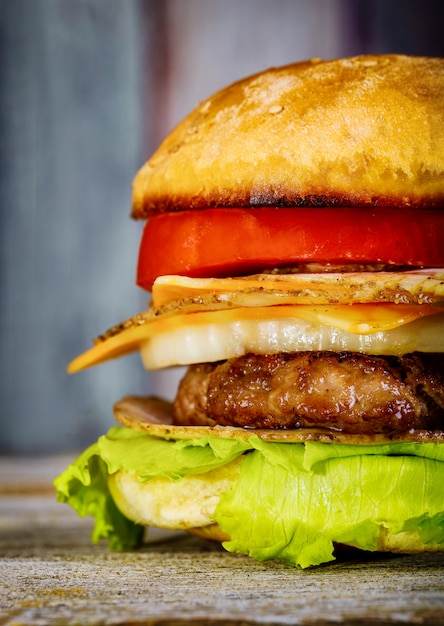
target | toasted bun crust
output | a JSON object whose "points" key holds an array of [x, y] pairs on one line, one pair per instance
{"points": [[189, 505], [357, 132]]}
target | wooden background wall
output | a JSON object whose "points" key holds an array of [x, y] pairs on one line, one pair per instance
{"points": [[87, 90]]}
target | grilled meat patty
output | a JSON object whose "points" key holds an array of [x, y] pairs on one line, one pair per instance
{"points": [[350, 392]]}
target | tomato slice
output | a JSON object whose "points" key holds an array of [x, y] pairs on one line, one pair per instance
{"points": [[230, 241]]}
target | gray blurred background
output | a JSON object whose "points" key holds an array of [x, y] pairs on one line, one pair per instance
{"points": [[87, 90]]}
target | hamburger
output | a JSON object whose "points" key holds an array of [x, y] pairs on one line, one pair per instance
{"points": [[293, 250]]}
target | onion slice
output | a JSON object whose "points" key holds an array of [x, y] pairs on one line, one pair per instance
{"points": [[202, 343]]}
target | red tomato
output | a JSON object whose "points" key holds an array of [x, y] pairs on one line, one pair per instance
{"points": [[228, 242]]}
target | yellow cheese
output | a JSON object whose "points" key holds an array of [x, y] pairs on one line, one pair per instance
{"points": [[359, 319]]}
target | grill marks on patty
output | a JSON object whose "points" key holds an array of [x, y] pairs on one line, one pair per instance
{"points": [[350, 392]]}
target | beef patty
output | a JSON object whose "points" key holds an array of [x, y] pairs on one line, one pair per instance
{"points": [[350, 392]]}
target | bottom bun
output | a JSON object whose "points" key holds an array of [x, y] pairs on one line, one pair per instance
{"points": [[189, 504], [211, 533]]}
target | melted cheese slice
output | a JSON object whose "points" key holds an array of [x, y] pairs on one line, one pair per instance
{"points": [[157, 329], [194, 320]]}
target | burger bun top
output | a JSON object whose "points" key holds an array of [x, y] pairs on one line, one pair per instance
{"points": [[357, 132]]}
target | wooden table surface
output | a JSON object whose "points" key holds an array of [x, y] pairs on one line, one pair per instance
{"points": [[52, 574]]}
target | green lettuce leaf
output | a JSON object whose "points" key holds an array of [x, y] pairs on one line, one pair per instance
{"points": [[134, 451], [276, 513], [84, 486], [292, 501]]}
